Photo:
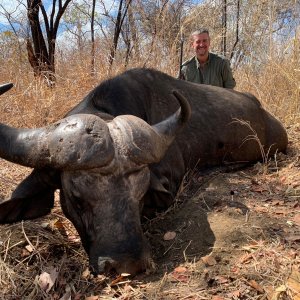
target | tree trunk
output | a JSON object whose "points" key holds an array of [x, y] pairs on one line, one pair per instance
{"points": [[237, 29], [93, 71], [118, 27], [41, 50], [224, 28], [37, 52]]}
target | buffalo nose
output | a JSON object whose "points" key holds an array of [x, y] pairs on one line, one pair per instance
{"points": [[106, 264]]}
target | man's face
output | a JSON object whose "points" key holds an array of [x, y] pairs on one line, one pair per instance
{"points": [[200, 44]]}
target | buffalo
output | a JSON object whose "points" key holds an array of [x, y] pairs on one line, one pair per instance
{"points": [[122, 153]]}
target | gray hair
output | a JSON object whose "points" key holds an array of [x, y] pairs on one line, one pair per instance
{"points": [[199, 31]]}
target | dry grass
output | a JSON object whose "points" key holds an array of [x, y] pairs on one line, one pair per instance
{"points": [[276, 86], [32, 103]]}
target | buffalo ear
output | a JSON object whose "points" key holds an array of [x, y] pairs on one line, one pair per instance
{"points": [[33, 197], [159, 184], [18, 209]]}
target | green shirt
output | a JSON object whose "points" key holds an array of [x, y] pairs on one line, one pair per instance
{"points": [[216, 71]]}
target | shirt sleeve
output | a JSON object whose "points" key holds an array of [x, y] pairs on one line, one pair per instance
{"points": [[183, 73], [228, 79]]}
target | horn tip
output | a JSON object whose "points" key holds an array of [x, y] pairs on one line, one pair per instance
{"points": [[5, 87], [184, 105]]}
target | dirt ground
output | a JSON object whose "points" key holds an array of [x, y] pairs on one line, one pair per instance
{"points": [[230, 235]]}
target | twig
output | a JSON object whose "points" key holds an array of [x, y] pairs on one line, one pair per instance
{"points": [[185, 258], [27, 239]]}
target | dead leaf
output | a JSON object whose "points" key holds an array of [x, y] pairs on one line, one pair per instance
{"points": [[281, 211], [107, 290], [209, 260], [180, 269], [254, 245], [100, 278], [256, 286], [91, 298], [221, 279], [29, 248], [47, 280], [272, 202], [181, 274], [45, 224], [259, 189], [120, 280], [170, 235], [73, 238], [86, 273], [261, 209], [217, 298], [59, 225], [128, 288], [246, 258], [234, 295], [235, 269], [180, 277], [292, 254], [283, 179], [24, 253]]}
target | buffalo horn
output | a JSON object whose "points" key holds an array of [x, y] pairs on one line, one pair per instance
{"points": [[145, 143], [5, 87], [77, 142]]}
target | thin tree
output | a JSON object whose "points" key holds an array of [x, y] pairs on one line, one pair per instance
{"points": [[12, 22], [122, 11], [224, 27], [237, 29], [93, 39]]}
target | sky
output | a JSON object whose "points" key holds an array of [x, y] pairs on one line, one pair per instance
{"points": [[13, 7], [17, 10]]}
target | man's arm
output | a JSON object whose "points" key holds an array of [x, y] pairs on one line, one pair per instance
{"points": [[182, 75], [228, 79]]}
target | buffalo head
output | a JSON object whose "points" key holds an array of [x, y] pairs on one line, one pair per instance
{"points": [[101, 169]]}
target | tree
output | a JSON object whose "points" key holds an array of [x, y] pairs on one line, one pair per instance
{"points": [[93, 71], [224, 28], [14, 23], [41, 44], [76, 20], [122, 11]]}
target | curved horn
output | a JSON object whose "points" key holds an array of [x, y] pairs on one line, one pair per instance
{"points": [[77, 142], [144, 143], [5, 87], [170, 126]]}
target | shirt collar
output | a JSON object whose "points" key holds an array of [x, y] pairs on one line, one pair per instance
{"points": [[206, 63]]}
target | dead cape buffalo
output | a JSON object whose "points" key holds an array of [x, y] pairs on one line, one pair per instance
{"points": [[113, 159]]}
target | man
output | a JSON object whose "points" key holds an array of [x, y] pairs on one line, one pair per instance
{"points": [[206, 67]]}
